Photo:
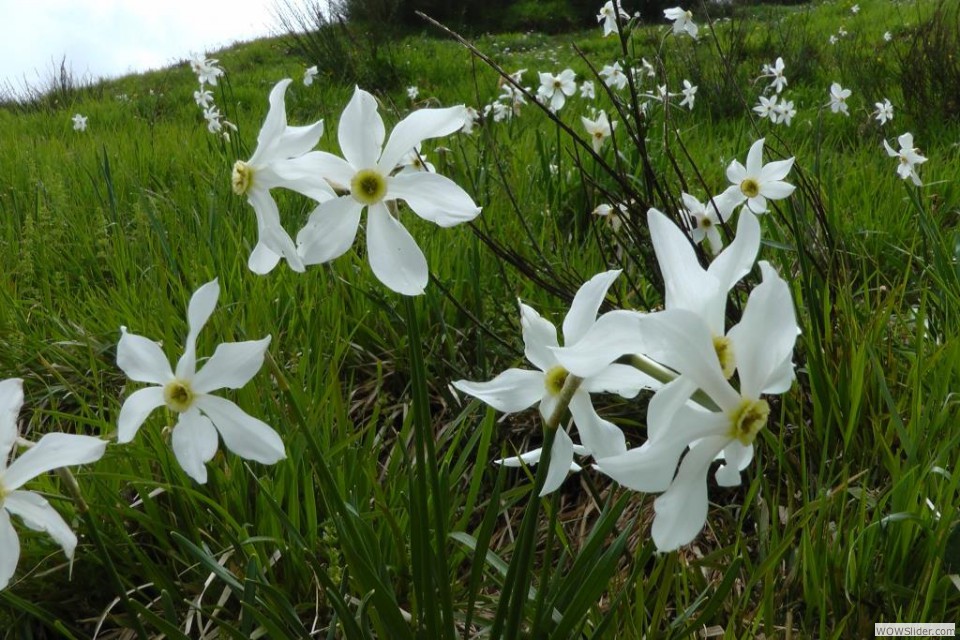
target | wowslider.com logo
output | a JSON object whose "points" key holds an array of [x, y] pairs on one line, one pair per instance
{"points": [[914, 630]]}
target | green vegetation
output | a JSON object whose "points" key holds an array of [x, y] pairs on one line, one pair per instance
{"points": [[375, 527]]}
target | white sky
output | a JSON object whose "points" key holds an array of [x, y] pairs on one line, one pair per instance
{"points": [[106, 38]]}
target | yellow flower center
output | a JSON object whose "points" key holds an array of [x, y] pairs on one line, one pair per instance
{"points": [[242, 178], [368, 186], [706, 223], [750, 188], [724, 348], [556, 377], [598, 135], [178, 395], [747, 419]]}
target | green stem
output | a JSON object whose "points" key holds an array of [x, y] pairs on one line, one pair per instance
{"points": [[659, 372]]}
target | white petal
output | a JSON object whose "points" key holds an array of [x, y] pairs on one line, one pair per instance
{"points": [[736, 173], [316, 166], [244, 435], [548, 405], [231, 366], [777, 190], [417, 127], [296, 141], [135, 410], [361, 131], [755, 159], [262, 259], [663, 407], [142, 359], [202, 304], [529, 458], [270, 231], [601, 437], [765, 336], [433, 197], [775, 171], [330, 231], [37, 514], [682, 510], [394, 256], [194, 443], [539, 336], [511, 391], [737, 259], [614, 334], [622, 379], [586, 305], [10, 544], [52, 451], [11, 399], [274, 123], [736, 458], [561, 457]]}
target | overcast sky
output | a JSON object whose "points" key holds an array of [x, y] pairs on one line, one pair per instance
{"points": [[105, 38]]}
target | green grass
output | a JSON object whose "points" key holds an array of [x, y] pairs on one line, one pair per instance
{"points": [[372, 519]]}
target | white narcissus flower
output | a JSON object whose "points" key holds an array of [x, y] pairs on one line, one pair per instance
{"points": [[254, 178], [884, 112], [309, 75], [203, 98], [186, 391], [784, 112], [689, 94], [762, 347], [52, 451], [413, 92], [766, 108], [598, 130], [79, 122], [470, 120], [414, 161], [365, 172], [608, 16], [554, 89], [614, 216], [838, 99], [206, 69], [908, 157], [706, 219], [613, 76], [587, 90], [757, 182], [682, 21], [775, 71], [517, 389]]}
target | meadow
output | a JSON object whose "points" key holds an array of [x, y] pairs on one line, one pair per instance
{"points": [[387, 517]]}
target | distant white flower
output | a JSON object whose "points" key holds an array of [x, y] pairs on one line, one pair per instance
{"points": [[855, 9], [599, 129], [554, 89], [587, 90], [838, 99], [775, 71], [206, 69], [613, 76], [908, 156], [647, 69], [186, 392], [784, 112], [689, 93], [203, 98], [887, 36], [309, 75], [79, 122], [212, 115], [614, 216], [499, 111], [365, 175], [608, 16], [705, 219], [884, 112], [413, 92], [682, 21], [470, 121], [766, 108], [52, 451], [415, 160], [756, 182], [833, 39]]}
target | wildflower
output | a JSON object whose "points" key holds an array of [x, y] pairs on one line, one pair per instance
{"points": [[682, 21], [608, 16], [613, 76], [757, 182], [366, 174], [206, 69], [838, 99], [587, 90], [855, 9], [186, 392], [884, 112], [413, 92], [832, 39], [775, 71], [203, 98], [554, 89], [614, 216], [646, 68], [470, 120], [52, 451], [599, 129], [413, 161], [689, 93], [762, 344], [766, 108], [705, 219], [784, 112], [517, 389], [887, 36], [908, 156], [309, 75], [79, 122], [254, 178]]}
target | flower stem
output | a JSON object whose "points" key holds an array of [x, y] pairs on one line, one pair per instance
{"points": [[659, 372]]}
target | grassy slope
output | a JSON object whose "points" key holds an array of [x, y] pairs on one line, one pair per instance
{"points": [[116, 226]]}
